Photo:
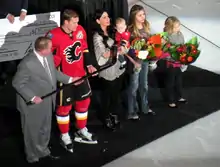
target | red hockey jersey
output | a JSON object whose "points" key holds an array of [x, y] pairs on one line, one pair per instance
{"points": [[69, 50]]}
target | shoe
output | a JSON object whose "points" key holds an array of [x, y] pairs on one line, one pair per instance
{"points": [[109, 124], [182, 100], [33, 161], [151, 112], [122, 67], [52, 157], [122, 61], [114, 119], [172, 105], [133, 116], [66, 142], [83, 136]]}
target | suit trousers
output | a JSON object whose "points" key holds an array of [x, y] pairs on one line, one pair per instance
{"points": [[36, 127]]}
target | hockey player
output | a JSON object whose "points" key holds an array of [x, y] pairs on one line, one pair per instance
{"points": [[72, 57]]}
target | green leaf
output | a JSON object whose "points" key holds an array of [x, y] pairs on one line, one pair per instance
{"points": [[198, 53], [165, 49], [175, 56], [157, 45], [193, 41], [172, 49], [152, 53], [163, 34]]}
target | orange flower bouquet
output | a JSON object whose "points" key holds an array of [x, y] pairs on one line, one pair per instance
{"points": [[147, 49]]}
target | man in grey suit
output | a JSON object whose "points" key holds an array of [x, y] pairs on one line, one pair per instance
{"points": [[35, 77]]}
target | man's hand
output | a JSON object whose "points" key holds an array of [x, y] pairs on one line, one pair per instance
{"points": [[75, 79], [92, 69], [37, 100], [10, 18], [22, 15]]}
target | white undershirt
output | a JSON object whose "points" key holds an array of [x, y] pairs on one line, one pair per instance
{"points": [[41, 58]]}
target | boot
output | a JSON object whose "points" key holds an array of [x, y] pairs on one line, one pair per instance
{"points": [[109, 124], [115, 120]]}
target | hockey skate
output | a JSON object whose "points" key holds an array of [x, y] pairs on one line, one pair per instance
{"points": [[83, 136], [66, 142]]}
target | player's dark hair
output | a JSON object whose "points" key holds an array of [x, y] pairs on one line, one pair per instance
{"points": [[68, 14]]}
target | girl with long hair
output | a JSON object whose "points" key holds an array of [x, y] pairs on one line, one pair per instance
{"points": [[138, 27]]}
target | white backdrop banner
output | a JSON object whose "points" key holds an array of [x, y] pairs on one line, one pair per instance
{"points": [[16, 40]]}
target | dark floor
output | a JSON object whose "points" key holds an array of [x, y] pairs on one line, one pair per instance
{"points": [[201, 88]]}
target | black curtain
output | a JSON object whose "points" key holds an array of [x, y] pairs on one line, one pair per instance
{"points": [[86, 9]]}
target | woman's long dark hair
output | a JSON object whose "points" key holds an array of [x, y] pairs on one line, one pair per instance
{"points": [[97, 28]]}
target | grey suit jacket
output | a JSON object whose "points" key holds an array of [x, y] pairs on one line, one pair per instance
{"points": [[32, 80]]}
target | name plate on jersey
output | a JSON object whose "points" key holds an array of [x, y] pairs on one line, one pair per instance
{"points": [[17, 39]]}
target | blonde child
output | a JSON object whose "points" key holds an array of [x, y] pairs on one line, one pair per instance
{"points": [[173, 80], [122, 37]]}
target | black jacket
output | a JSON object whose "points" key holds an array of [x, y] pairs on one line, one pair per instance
{"points": [[12, 6]]}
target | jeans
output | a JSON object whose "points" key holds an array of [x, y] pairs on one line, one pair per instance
{"points": [[138, 86]]}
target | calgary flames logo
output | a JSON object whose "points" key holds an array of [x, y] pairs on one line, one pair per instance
{"points": [[73, 52]]}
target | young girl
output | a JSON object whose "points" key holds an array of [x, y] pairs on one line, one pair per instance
{"points": [[173, 80], [139, 27]]}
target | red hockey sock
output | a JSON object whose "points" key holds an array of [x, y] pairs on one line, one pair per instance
{"points": [[63, 119], [81, 113]]}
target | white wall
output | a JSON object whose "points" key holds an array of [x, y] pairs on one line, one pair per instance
{"points": [[201, 16], [206, 25], [131, 2]]}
